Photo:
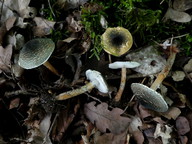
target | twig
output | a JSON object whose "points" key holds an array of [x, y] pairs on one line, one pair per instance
{"points": [[51, 8]]}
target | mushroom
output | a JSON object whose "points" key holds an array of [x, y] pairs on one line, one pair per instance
{"points": [[148, 96], [96, 81], [123, 66], [37, 52], [116, 41]]}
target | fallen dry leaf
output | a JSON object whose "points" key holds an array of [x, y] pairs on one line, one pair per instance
{"points": [[109, 138], [182, 5], [104, 119], [43, 27], [182, 125], [6, 13], [138, 136], [165, 135], [14, 103], [21, 6], [143, 112], [5, 58], [183, 139], [172, 113], [73, 24], [135, 131], [10, 22], [177, 16], [188, 67]]}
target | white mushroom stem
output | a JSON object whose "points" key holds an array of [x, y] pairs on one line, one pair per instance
{"points": [[122, 84], [163, 74], [96, 81], [123, 66], [69, 94], [51, 68]]}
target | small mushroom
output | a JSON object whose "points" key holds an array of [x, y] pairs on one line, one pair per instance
{"points": [[96, 81], [148, 96], [116, 41], [123, 66], [37, 52]]}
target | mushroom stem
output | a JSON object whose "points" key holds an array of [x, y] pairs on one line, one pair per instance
{"points": [[122, 84], [163, 74], [51, 68], [69, 94]]}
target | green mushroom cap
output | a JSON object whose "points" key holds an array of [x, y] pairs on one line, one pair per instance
{"points": [[35, 53], [116, 41], [149, 98]]}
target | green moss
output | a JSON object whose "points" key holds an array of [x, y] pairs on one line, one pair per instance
{"points": [[123, 13]]}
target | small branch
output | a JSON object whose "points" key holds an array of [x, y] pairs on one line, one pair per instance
{"points": [[51, 8], [163, 74]]}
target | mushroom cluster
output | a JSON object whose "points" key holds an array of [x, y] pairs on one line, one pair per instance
{"points": [[148, 96]]}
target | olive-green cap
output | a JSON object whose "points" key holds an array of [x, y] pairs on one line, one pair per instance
{"points": [[35, 52]]}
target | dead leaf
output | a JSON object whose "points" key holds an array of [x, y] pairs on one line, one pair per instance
{"points": [[10, 22], [43, 27], [172, 113], [177, 16], [71, 4], [178, 75], [5, 58], [182, 125], [73, 24], [105, 119], [188, 66], [143, 112], [14, 103], [21, 6], [165, 135], [6, 13], [44, 128], [138, 136], [149, 58], [69, 39], [182, 5], [183, 139], [63, 122], [109, 138]]}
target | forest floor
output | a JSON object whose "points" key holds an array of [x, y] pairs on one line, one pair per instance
{"points": [[102, 104]]}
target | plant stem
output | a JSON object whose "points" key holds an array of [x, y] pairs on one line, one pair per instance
{"points": [[163, 74]]}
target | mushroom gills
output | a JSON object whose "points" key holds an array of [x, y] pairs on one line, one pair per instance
{"points": [[149, 98]]}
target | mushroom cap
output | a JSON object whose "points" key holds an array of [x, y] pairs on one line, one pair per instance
{"points": [[96, 78], [121, 64], [116, 41], [35, 53], [149, 98]]}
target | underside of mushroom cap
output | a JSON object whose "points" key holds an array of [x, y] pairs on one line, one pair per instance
{"points": [[121, 64], [149, 98], [35, 52], [96, 78]]}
